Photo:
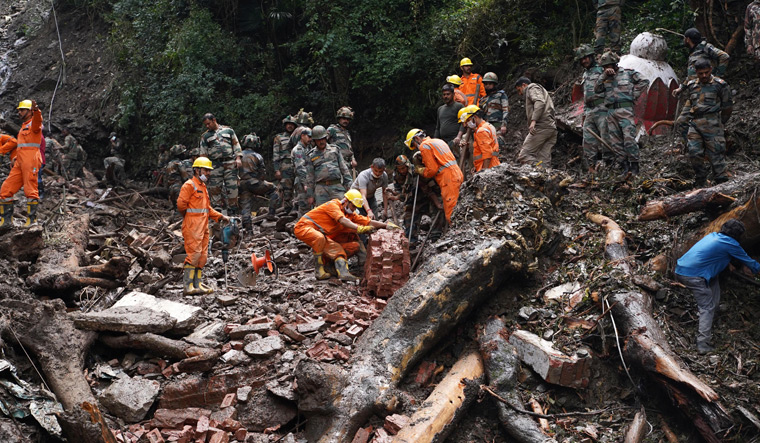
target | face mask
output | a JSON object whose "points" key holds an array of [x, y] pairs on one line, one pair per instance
{"points": [[203, 178], [348, 210], [377, 176], [471, 124]]}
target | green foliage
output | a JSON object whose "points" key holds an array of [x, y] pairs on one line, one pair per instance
{"points": [[674, 15]]}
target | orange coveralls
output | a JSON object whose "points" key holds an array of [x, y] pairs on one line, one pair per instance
{"points": [[472, 86], [485, 146], [193, 204], [441, 164], [460, 97], [10, 149], [320, 229], [28, 160]]}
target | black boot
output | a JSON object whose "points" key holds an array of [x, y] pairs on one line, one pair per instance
{"points": [[634, 168], [6, 215], [31, 212]]}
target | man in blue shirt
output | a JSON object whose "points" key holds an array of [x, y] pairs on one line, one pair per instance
{"points": [[698, 270]]}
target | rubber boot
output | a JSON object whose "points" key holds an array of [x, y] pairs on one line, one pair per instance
{"points": [[342, 266], [188, 280], [31, 212], [319, 268], [6, 215], [634, 168], [361, 254], [202, 289]]}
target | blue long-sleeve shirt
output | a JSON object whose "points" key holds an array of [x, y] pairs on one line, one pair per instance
{"points": [[711, 255]]}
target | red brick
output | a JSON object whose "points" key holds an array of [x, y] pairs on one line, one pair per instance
{"points": [[174, 418], [272, 333], [154, 436], [425, 373], [229, 400], [394, 423], [231, 425], [202, 425], [354, 331], [318, 349], [226, 348], [167, 372], [363, 323], [380, 303], [229, 327], [292, 332], [334, 317], [341, 353], [278, 321], [237, 345], [362, 435], [262, 319], [220, 437], [241, 434]]}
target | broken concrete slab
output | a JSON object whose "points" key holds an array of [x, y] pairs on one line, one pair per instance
{"points": [[264, 347], [312, 326], [551, 364], [208, 335], [173, 418], [264, 410], [187, 317], [130, 398], [125, 319], [254, 328]]}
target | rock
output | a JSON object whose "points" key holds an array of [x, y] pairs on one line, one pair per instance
{"points": [[234, 357], [243, 393], [264, 347], [286, 392], [174, 418], [264, 410], [130, 398], [208, 333], [255, 328], [312, 326], [124, 319], [187, 317]]}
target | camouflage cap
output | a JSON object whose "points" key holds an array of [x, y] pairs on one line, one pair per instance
{"points": [[251, 141], [583, 50], [178, 150]]}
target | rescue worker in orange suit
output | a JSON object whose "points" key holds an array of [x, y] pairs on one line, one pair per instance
{"points": [[332, 228], [26, 167], [193, 203], [439, 163], [485, 144], [472, 83]]}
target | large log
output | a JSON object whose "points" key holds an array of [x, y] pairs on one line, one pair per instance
{"points": [[192, 358], [436, 417], [502, 368], [419, 314], [646, 345], [58, 271], [717, 196]]}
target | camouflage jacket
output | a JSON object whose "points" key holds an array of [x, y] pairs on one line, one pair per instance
{"points": [[252, 167], [221, 145], [593, 101], [705, 99], [163, 158], [75, 154], [299, 156], [327, 167], [603, 3], [624, 87], [280, 152], [752, 29], [496, 107], [707, 51], [295, 137], [340, 137], [69, 143], [178, 172]]}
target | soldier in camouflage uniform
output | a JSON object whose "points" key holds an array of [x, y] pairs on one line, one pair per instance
{"points": [[252, 181], [338, 135], [304, 121], [496, 107], [164, 155], [283, 163], [304, 199], [752, 29], [707, 108], [220, 145], [74, 156], [621, 89], [177, 171], [607, 32], [53, 154], [594, 111], [329, 176]]}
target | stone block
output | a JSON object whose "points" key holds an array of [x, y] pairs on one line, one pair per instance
{"points": [[125, 319], [130, 398], [255, 328], [312, 326], [187, 316], [264, 347], [362, 435], [551, 364], [174, 418]]}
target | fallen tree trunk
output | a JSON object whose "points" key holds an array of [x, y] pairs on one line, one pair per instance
{"points": [[748, 213], [502, 367], [646, 345], [58, 268], [418, 315], [60, 348], [192, 358], [436, 417], [692, 201], [638, 428]]}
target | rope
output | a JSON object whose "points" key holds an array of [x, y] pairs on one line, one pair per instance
{"points": [[63, 64], [29, 357], [620, 350]]}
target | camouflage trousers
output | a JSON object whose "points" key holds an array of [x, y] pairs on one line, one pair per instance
{"points": [[73, 168], [621, 133], [324, 193], [596, 122], [537, 148], [224, 175], [500, 138], [608, 29], [300, 201], [285, 184], [706, 142], [249, 190], [174, 193]]}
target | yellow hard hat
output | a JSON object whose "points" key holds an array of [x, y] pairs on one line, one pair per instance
{"points": [[25, 104], [410, 135], [465, 62], [467, 112], [355, 197], [203, 162], [454, 79]]}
